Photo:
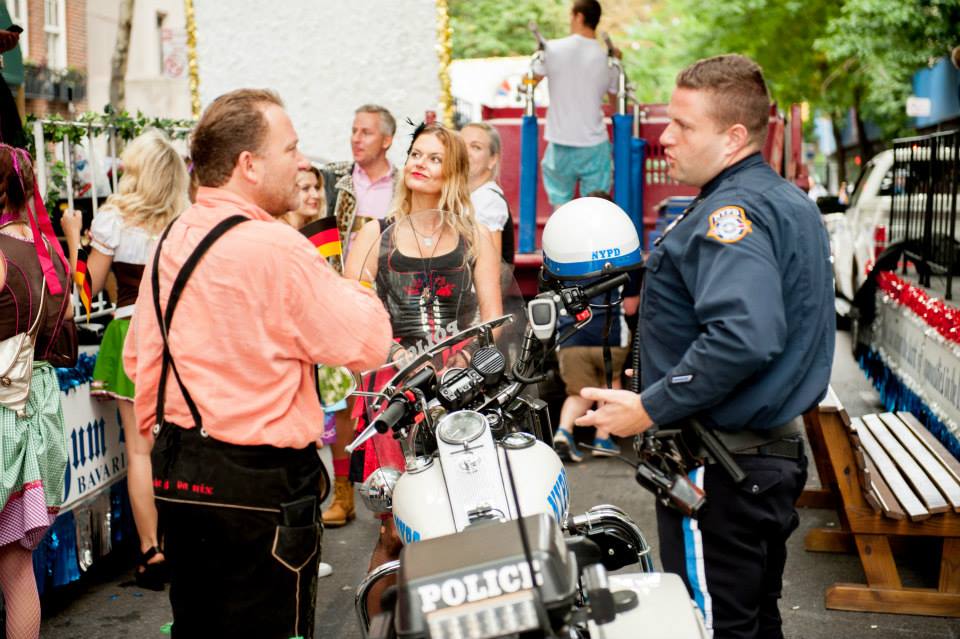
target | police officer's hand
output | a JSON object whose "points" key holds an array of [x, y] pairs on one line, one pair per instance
{"points": [[620, 412]]}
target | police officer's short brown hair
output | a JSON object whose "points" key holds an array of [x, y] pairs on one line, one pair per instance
{"points": [[230, 125], [737, 89]]}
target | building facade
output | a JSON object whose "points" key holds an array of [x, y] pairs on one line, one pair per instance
{"points": [[53, 46], [157, 80]]}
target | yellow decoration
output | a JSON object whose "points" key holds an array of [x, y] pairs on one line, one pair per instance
{"points": [[192, 58], [445, 54]]}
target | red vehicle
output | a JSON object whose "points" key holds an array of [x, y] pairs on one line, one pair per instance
{"points": [[657, 185]]}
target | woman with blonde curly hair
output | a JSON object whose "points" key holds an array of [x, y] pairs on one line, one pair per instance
{"points": [[435, 269], [152, 191], [435, 229]]}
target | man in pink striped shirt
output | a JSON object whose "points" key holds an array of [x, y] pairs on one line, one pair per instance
{"points": [[235, 468]]}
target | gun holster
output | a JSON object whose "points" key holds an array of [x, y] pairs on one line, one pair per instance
{"points": [[667, 456], [664, 461]]}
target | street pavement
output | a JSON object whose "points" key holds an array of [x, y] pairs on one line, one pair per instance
{"points": [[106, 604]]}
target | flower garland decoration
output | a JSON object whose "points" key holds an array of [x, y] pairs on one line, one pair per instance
{"points": [[942, 317]]}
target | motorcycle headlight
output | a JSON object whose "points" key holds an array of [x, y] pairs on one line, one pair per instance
{"points": [[461, 427]]}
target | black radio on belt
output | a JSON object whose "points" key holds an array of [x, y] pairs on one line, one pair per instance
{"points": [[662, 469], [667, 455]]}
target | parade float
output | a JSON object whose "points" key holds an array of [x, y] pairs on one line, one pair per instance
{"points": [[908, 320], [76, 169]]}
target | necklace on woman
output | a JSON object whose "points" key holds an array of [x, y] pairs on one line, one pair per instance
{"points": [[426, 294], [426, 240]]}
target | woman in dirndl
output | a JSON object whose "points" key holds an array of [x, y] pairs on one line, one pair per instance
{"points": [[151, 192], [34, 301], [444, 273]]}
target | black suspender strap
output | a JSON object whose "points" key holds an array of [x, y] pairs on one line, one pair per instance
{"points": [[164, 318]]}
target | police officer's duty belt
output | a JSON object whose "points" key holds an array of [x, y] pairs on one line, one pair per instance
{"points": [[780, 441]]}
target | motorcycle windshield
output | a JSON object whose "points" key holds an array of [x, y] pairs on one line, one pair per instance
{"points": [[449, 295]]}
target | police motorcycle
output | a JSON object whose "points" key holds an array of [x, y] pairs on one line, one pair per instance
{"points": [[459, 452]]}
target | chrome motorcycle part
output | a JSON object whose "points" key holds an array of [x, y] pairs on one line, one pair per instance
{"points": [[464, 434], [377, 490], [461, 427], [363, 590], [518, 441], [620, 539]]}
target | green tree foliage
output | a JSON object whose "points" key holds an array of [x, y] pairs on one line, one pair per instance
{"points": [[833, 54], [877, 46], [488, 28]]}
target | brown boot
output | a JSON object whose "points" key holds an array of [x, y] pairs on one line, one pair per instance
{"points": [[341, 510]]}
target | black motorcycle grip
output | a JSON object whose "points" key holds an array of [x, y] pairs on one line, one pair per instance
{"points": [[391, 415], [593, 290]]}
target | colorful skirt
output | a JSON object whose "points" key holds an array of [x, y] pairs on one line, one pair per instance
{"points": [[109, 378], [34, 450]]}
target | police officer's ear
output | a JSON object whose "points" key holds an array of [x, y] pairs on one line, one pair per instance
{"points": [[738, 138]]}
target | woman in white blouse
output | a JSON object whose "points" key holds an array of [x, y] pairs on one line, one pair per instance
{"points": [[151, 193], [483, 151]]}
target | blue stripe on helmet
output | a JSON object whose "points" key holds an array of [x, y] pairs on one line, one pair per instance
{"points": [[591, 267]]}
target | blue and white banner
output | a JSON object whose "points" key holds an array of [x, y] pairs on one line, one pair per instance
{"points": [[96, 457], [923, 362]]}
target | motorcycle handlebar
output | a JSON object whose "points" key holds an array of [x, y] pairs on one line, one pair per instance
{"points": [[391, 415], [389, 418], [593, 290]]}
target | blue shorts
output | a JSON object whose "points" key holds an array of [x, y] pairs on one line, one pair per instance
{"points": [[564, 165]]}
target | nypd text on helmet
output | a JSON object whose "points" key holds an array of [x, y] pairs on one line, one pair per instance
{"points": [[604, 254]]}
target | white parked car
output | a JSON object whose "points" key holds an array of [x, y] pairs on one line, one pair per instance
{"points": [[860, 233]]}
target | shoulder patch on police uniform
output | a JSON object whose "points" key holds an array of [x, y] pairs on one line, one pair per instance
{"points": [[729, 224]]}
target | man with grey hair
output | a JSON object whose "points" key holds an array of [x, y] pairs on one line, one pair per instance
{"points": [[361, 190]]}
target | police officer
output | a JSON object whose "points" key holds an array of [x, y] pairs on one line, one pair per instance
{"points": [[736, 329]]}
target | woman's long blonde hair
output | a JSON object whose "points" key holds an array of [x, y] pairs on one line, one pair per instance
{"points": [[154, 186], [455, 193]]}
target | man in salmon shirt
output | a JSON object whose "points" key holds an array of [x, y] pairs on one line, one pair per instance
{"points": [[236, 473]]}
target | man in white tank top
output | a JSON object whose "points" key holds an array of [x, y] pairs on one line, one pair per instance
{"points": [[579, 147]]}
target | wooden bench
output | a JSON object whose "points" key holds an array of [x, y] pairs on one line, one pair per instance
{"points": [[889, 478]]}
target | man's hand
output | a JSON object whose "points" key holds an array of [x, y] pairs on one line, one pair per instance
{"points": [[621, 412]]}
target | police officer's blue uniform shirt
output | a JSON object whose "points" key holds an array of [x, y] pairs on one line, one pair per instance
{"points": [[737, 319]]}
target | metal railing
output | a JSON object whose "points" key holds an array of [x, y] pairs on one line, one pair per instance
{"points": [[923, 209], [100, 306]]}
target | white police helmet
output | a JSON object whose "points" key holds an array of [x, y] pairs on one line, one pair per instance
{"points": [[588, 237]]}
